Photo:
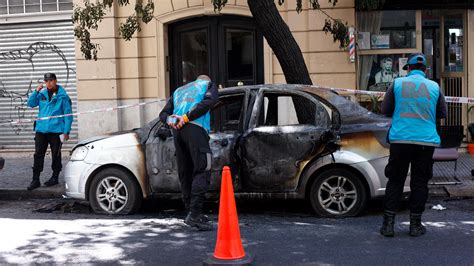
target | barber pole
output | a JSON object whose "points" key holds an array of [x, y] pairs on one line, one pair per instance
{"points": [[351, 45]]}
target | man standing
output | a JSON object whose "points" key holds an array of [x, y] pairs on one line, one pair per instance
{"points": [[190, 106], [415, 103], [52, 101]]}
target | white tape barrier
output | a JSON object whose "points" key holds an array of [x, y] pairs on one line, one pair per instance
{"points": [[21, 121], [449, 99]]}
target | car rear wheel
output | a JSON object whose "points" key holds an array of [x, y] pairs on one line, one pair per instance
{"points": [[114, 191], [337, 193]]}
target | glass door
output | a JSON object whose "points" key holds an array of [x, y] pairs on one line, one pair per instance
{"points": [[227, 48], [453, 57], [443, 45]]}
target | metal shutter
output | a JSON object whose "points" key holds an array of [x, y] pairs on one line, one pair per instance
{"points": [[27, 51]]}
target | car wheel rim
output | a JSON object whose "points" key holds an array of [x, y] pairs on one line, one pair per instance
{"points": [[112, 194], [337, 195]]}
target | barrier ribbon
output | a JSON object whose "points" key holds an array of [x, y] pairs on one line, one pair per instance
{"points": [[449, 99], [21, 121]]}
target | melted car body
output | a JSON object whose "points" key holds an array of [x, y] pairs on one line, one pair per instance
{"points": [[287, 141]]}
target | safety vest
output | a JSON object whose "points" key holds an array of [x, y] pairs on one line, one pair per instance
{"points": [[188, 96], [414, 117]]}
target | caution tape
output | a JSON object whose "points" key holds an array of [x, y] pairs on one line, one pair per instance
{"points": [[22, 121], [449, 99]]}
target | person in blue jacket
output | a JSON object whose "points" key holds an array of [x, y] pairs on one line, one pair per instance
{"points": [[52, 101], [190, 107], [414, 103]]}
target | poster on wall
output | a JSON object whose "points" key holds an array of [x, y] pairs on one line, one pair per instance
{"points": [[363, 40], [384, 70], [380, 41]]}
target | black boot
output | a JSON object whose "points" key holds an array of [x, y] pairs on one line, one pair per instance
{"points": [[52, 181], [416, 228], [198, 221], [387, 226], [34, 184]]}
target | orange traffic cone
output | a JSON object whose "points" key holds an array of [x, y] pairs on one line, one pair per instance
{"points": [[229, 249]]}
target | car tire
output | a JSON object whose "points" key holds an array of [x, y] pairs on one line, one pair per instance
{"points": [[114, 191], [337, 193]]}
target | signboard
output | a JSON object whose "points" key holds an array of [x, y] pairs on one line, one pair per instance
{"points": [[380, 41]]}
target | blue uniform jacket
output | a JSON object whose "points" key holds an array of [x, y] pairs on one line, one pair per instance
{"points": [[60, 104]]}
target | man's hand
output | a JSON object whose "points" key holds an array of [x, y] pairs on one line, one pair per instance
{"points": [[39, 88], [180, 122], [66, 137]]}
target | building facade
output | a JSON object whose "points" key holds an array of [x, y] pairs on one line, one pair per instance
{"points": [[188, 38]]}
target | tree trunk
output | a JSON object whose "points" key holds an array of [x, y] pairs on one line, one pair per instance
{"points": [[286, 49], [280, 39]]}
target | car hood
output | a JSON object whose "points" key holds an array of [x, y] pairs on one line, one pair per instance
{"points": [[101, 137]]}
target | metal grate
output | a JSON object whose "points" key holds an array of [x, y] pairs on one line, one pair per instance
{"points": [[453, 87], [27, 51]]}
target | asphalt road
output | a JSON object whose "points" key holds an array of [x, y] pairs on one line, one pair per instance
{"points": [[276, 233]]}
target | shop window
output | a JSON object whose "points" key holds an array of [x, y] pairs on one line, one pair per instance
{"points": [[377, 72], [386, 29], [32, 6], [9, 7], [454, 40], [15, 7]]}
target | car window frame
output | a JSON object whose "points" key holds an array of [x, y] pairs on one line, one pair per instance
{"points": [[259, 100], [243, 112]]}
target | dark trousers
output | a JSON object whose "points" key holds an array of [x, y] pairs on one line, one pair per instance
{"points": [[194, 164], [401, 157], [41, 145]]}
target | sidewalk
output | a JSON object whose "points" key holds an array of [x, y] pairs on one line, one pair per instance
{"points": [[16, 176]]}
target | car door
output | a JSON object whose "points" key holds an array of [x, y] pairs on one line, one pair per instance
{"points": [[281, 138], [227, 127]]}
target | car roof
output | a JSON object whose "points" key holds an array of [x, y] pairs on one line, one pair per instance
{"points": [[351, 112]]}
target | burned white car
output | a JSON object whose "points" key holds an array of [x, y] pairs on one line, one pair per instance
{"points": [[280, 141]]}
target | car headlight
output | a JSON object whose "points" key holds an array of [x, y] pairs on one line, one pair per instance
{"points": [[79, 153]]}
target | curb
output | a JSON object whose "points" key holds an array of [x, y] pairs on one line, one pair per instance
{"points": [[22, 193]]}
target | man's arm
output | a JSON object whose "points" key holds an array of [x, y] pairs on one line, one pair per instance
{"points": [[33, 100], [441, 109], [388, 104], [210, 99], [167, 110]]}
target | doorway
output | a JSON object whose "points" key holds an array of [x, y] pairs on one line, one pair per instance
{"points": [[443, 45], [227, 48]]}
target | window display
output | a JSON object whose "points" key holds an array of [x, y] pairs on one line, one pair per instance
{"points": [[386, 29], [377, 72]]}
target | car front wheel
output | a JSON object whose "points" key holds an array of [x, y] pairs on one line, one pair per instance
{"points": [[337, 193], [114, 191]]}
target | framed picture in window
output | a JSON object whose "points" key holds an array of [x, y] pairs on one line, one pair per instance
{"points": [[377, 72], [381, 41]]}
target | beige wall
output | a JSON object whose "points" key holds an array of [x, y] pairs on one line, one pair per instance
{"points": [[136, 70]]}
